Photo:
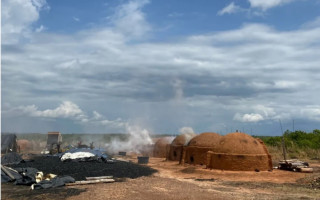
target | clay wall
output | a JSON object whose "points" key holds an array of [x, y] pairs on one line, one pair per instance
{"points": [[161, 151], [238, 162], [196, 155], [175, 152]]}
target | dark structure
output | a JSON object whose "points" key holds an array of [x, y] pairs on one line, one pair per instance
{"points": [[8, 143], [54, 141]]}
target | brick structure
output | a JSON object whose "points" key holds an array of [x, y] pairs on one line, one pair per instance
{"points": [[234, 151], [161, 147], [176, 147], [196, 151]]}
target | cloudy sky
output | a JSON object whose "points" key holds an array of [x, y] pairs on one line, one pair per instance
{"points": [[81, 66]]}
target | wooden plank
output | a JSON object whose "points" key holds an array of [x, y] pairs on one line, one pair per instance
{"points": [[90, 182], [99, 177], [7, 172], [306, 170]]}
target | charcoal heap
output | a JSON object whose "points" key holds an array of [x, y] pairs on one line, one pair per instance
{"points": [[80, 170], [11, 158]]}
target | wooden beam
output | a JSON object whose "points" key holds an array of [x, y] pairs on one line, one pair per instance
{"points": [[99, 177], [90, 182], [8, 173]]}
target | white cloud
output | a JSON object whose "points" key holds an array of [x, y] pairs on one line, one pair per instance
{"points": [[40, 29], [130, 20], [311, 112], [65, 110], [231, 9], [213, 75], [76, 19], [96, 115], [257, 7], [70, 64], [252, 117], [17, 17], [312, 24], [267, 4]]}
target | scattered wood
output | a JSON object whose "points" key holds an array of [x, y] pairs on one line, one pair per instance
{"points": [[90, 182], [99, 177], [7, 172], [306, 170]]}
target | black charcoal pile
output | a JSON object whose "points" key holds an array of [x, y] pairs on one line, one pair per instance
{"points": [[11, 158], [80, 170]]}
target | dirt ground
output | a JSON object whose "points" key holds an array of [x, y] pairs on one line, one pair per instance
{"points": [[174, 181]]}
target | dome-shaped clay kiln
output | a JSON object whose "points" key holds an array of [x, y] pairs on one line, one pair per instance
{"points": [[176, 147], [239, 152], [196, 151], [161, 147], [207, 139], [240, 143]]}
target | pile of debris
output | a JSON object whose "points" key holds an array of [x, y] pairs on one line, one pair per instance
{"points": [[33, 177], [295, 165]]}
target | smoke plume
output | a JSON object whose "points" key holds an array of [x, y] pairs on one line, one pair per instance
{"points": [[137, 142]]}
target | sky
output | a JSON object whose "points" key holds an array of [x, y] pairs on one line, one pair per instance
{"points": [[81, 66]]}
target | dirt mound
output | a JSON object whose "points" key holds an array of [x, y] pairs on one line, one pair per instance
{"points": [[80, 170]]}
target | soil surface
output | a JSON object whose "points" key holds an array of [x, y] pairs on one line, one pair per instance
{"points": [[174, 181]]}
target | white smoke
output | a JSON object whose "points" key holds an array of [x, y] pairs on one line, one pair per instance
{"points": [[138, 141], [186, 130], [188, 133]]}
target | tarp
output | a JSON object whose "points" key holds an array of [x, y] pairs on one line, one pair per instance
{"points": [[8, 143], [5, 178], [76, 155], [55, 182], [82, 154], [28, 176]]}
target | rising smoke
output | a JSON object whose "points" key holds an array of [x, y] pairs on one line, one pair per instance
{"points": [[138, 141], [187, 133]]}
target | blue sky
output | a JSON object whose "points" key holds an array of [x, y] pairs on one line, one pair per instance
{"points": [[82, 66]]}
